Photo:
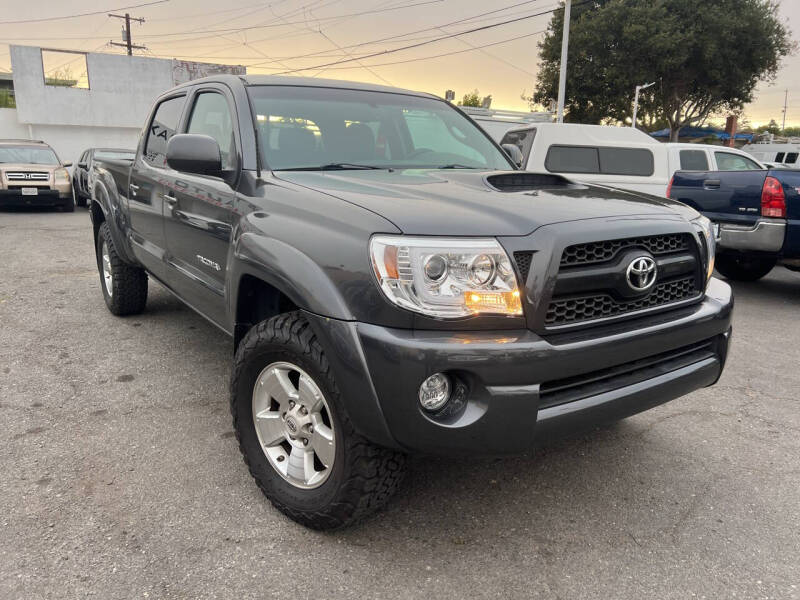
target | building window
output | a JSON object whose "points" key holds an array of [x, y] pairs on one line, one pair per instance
{"points": [[63, 68]]}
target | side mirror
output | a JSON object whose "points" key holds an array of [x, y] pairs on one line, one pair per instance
{"points": [[82, 165], [66, 164], [194, 153], [514, 153]]}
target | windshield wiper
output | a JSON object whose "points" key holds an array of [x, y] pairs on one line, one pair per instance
{"points": [[333, 167], [456, 166]]}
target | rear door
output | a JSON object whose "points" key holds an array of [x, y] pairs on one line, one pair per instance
{"points": [[199, 210], [146, 189]]}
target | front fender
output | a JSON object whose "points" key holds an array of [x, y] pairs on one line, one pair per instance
{"points": [[106, 195], [287, 269]]}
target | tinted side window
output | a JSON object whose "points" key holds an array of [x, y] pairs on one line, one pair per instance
{"points": [[779, 157], [162, 127], [626, 161], [791, 158], [694, 160], [521, 139], [734, 162], [211, 116], [572, 159]]}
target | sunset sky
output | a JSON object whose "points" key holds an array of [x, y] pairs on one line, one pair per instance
{"points": [[278, 36]]}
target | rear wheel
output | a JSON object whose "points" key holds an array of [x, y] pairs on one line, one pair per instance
{"points": [[743, 267], [124, 286], [294, 434]]}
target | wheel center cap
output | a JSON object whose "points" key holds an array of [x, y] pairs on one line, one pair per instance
{"points": [[291, 426]]}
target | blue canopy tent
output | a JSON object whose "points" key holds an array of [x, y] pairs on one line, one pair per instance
{"points": [[702, 132]]}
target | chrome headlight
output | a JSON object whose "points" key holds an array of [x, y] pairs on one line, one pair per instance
{"points": [[61, 176], [706, 230], [446, 277]]}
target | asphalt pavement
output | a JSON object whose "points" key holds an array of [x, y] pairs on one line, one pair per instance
{"points": [[120, 476]]}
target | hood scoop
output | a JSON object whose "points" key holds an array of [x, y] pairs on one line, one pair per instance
{"points": [[525, 182]]}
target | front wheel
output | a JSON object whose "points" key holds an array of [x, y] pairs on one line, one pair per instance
{"points": [[743, 267], [294, 434], [124, 286]]}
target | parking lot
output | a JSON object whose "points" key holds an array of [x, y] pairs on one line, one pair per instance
{"points": [[121, 477]]}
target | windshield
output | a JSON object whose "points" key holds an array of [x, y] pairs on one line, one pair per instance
{"points": [[30, 155], [114, 154], [313, 127]]}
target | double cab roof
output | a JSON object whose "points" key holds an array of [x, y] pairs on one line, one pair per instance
{"points": [[305, 82]]}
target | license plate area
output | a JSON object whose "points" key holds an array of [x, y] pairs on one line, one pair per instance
{"points": [[30, 191]]}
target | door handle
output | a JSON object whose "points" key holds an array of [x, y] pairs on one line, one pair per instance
{"points": [[134, 188], [711, 183], [170, 200]]}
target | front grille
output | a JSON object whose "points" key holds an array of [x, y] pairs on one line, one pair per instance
{"points": [[572, 310], [597, 252], [27, 176], [570, 389], [38, 187]]}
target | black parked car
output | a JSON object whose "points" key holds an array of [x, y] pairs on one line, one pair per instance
{"points": [[81, 188], [393, 284]]}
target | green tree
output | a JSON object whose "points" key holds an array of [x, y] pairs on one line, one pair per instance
{"points": [[792, 131], [771, 127], [705, 57], [471, 99], [474, 99]]}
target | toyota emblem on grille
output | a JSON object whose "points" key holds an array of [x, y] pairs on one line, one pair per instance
{"points": [[642, 273]]}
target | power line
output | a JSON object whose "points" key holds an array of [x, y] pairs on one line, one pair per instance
{"points": [[98, 12], [285, 23], [419, 44], [479, 17], [421, 58]]}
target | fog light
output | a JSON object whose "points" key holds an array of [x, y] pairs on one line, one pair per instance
{"points": [[434, 392]]}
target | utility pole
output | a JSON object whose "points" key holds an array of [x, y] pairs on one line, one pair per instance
{"points": [[126, 33], [562, 78], [785, 108], [639, 88]]}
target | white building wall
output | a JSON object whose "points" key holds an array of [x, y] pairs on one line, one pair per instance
{"points": [[111, 113]]}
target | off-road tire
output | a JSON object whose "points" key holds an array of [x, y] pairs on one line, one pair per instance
{"points": [[743, 267], [364, 476], [69, 206], [129, 283]]}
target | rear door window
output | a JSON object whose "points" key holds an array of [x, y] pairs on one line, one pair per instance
{"points": [[162, 127], [779, 157], [727, 161], [694, 160], [521, 139], [791, 158]]}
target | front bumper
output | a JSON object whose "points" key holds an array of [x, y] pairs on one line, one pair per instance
{"points": [[44, 197], [522, 388], [766, 235]]}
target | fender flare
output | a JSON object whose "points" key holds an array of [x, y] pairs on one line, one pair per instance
{"points": [[109, 202], [289, 271]]}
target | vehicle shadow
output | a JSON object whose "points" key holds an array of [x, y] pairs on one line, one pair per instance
{"points": [[557, 494], [780, 285]]}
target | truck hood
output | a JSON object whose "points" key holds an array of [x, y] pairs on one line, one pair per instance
{"points": [[462, 202]]}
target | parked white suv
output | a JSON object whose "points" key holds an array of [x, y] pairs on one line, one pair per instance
{"points": [[620, 157]]}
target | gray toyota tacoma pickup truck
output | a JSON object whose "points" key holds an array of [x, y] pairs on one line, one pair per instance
{"points": [[393, 284]]}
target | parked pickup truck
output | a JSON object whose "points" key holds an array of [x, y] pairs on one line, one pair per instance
{"points": [[393, 285], [756, 214]]}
